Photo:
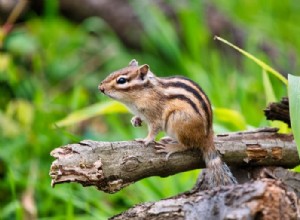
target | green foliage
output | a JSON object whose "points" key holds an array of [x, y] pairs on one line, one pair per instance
{"points": [[49, 73], [268, 88]]}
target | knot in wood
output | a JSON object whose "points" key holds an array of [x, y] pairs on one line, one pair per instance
{"points": [[130, 163]]}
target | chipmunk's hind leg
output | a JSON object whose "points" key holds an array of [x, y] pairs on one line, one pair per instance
{"points": [[177, 127]]}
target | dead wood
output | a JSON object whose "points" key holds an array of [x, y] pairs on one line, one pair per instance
{"points": [[279, 111], [110, 166], [262, 199]]}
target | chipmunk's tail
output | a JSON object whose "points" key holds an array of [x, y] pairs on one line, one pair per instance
{"points": [[217, 172]]}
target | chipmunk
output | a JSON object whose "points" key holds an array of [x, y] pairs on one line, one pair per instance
{"points": [[176, 105]]}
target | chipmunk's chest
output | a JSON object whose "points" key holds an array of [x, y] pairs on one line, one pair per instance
{"points": [[147, 112], [136, 110]]}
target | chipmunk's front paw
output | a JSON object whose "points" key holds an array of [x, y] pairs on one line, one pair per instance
{"points": [[145, 141], [136, 121]]}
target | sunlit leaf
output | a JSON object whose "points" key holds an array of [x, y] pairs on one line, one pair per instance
{"points": [[8, 127], [2, 35], [4, 61], [294, 103], [230, 117], [22, 111], [297, 169], [92, 111], [21, 43]]}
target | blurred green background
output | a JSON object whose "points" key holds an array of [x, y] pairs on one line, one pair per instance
{"points": [[50, 66]]}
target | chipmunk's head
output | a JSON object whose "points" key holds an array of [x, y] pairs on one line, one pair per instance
{"points": [[128, 83]]}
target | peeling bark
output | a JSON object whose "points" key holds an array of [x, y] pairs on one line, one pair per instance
{"points": [[111, 166]]}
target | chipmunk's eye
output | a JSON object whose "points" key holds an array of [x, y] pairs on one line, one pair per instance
{"points": [[121, 80]]}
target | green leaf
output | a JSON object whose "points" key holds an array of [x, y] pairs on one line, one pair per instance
{"points": [[294, 103], [8, 127], [91, 111], [21, 43], [4, 61]]}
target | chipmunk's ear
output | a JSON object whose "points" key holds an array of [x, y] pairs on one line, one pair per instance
{"points": [[145, 71], [133, 63]]}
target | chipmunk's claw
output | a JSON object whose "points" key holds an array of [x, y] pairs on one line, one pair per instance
{"points": [[146, 142]]}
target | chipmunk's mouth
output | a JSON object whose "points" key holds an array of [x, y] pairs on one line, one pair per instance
{"points": [[110, 96], [105, 92], [101, 88]]}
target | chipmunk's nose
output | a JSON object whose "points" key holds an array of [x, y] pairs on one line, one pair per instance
{"points": [[101, 88]]}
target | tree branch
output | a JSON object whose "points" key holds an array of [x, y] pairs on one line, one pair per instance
{"points": [[110, 166]]}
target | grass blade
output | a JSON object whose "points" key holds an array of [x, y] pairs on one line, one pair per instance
{"points": [[257, 61]]}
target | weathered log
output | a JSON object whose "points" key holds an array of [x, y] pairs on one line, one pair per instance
{"points": [[262, 199], [110, 166]]}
